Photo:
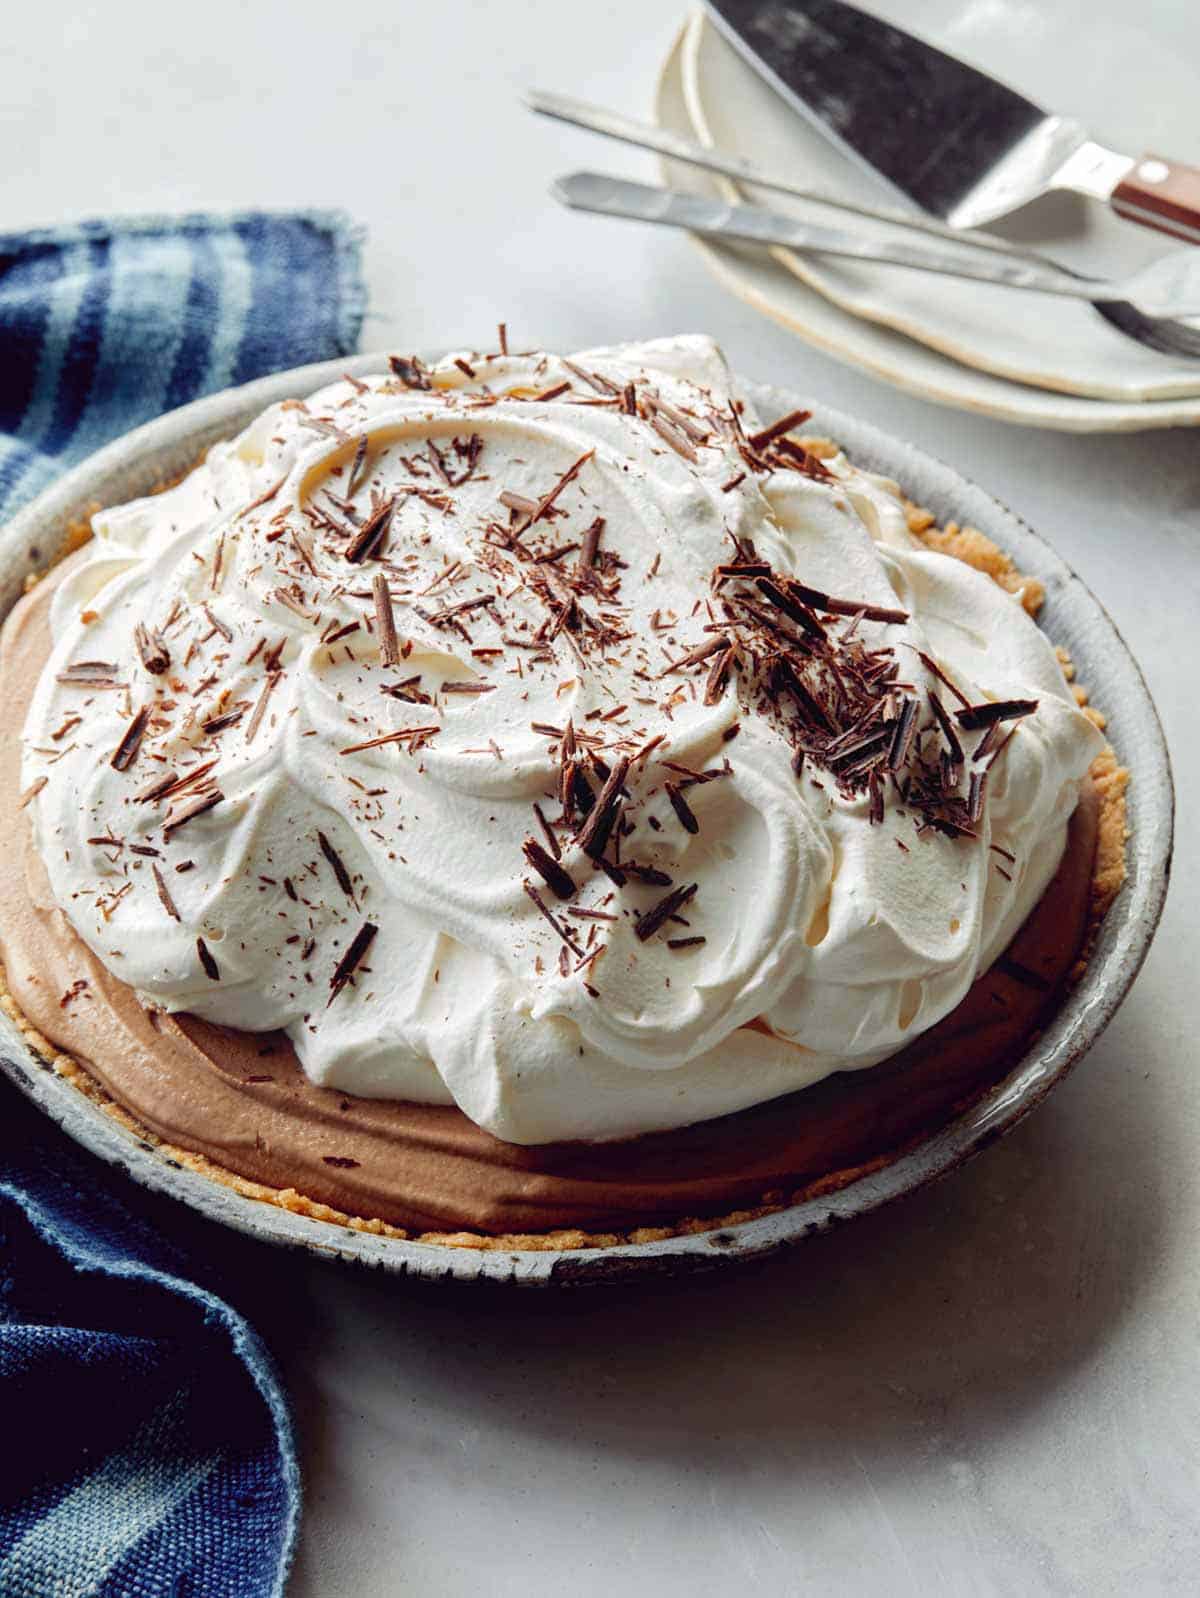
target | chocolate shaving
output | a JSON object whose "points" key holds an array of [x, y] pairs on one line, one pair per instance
{"points": [[407, 691], [947, 726], [164, 894], [796, 458], [410, 371], [343, 1162], [405, 733], [263, 499], [614, 873], [714, 685], [31, 793], [794, 609], [360, 456], [566, 762], [931, 665], [651, 875], [972, 717], [126, 752], [904, 729], [351, 960], [744, 568], [680, 419], [861, 752], [170, 784], [156, 657], [211, 969], [646, 926], [548, 868], [875, 811], [975, 796], [989, 741], [371, 534], [547, 831], [260, 707], [385, 621], [290, 602], [544, 909], [593, 836], [844, 607], [217, 624], [448, 614], [333, 632], [594, 380], [1002, 746], [322, 424], [671, 435], [518, 502], [701, 653], [469, 452], [785, 424], [89, 674], [685, 943], [196, 807], [228, 718], [590, 544], [805, 699], [682, 809], [339, 869], [569, 476]]}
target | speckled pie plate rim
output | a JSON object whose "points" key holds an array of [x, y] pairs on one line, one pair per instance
{"points": [[1072, 616]]}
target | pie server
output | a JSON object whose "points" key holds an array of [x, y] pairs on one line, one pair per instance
{"points": [[955, 141]]}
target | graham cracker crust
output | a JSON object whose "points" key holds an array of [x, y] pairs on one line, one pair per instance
{"points": [[1110, 778]]}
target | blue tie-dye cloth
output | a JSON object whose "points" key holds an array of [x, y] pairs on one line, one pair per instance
{"points": [[145, 1445]]}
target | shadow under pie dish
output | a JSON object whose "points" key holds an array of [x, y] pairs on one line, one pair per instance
{"points": [[629, 1165]]}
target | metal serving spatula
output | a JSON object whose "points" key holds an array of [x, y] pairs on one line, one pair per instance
{"points": [[958, 143]]}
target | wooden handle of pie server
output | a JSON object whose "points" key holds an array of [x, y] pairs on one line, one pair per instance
{"points": [[1161, 194]]}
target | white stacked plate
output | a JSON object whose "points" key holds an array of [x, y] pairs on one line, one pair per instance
{"points": [[1025, 357]]}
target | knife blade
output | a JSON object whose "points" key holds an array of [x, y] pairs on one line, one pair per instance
{"points": [[956, 142]]}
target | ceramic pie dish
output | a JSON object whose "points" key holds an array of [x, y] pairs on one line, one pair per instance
{"points": [[1072, 617]]}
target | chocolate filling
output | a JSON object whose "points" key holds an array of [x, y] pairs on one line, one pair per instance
{"points": [[242, 1100]]}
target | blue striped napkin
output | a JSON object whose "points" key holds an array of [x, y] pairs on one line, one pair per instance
{"points": [[105, 325], [146, 1447]]}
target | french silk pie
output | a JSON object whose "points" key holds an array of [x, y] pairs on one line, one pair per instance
{"points": [[530, 800]]}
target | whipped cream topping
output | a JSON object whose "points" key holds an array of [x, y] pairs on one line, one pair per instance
{"points": [[283, 763]]}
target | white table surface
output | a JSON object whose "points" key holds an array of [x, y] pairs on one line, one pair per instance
{"points": [[989, 1389]]}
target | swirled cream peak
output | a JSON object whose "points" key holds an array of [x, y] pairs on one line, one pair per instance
{"points": [[547, 736]]}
